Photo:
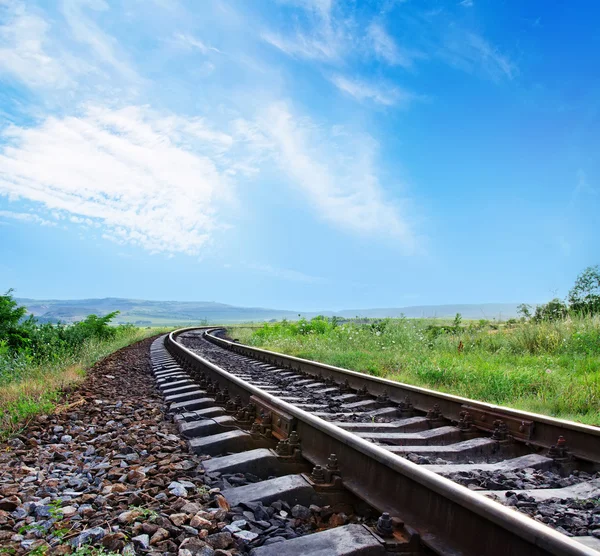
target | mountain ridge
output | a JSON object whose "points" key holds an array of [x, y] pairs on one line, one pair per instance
{"points": [[148, 313]]}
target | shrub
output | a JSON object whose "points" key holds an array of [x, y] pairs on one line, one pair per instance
{"points": [[584, 297]]}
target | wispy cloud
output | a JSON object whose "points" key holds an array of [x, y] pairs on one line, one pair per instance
{"points": [[381, 94], [189, 41], [303, 45], [104, 47], [320, 7], [472, 52], [318, 35], [24, 49], [151, 180], [285, 273], [26, 217], [337, 175], [582, 188], [385, 47]]}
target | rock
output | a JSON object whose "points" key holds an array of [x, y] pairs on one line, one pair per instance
{"points": [[128, 550], [237, 525], [143, 541], [92, 535], [86, 510], [178, 519], [19, 513], [222, 502], [190, 508], [68, 511], [195, 546], [16, 443], [247, 536], [300, 512], [129, 516], [149, 528], [114, 542], [273, 540], [160, 535], [10, 503], [136, 475], [177, 489], [200, 522], [220, 540], [66, 438], [118, 487], [42, 510], [337, 520]]}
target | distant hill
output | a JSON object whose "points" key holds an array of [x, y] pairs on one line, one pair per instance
{"points": [[181, 313]]}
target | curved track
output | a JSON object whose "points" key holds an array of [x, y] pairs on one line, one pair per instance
{"points": [[372, 426]]}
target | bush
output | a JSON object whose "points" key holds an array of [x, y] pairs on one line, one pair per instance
{"points": [[13, 332], [24, 342], [584, 297], [555, 309]]}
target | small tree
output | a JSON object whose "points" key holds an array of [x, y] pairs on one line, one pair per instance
{"points": [[524, 310], [584, 297], [456, 322], [12, 329], [556, 309]]}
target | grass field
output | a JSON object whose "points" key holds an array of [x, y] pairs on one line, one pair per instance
{"points": [[28, 389], [548, 367]]}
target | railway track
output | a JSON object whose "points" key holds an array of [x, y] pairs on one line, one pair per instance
{"points": [[309, 433]]}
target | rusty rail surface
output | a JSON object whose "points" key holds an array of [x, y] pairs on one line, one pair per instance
{"points": [[449, 518]]}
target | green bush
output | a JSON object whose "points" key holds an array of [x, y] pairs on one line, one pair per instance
{"points": [[25, 343], [550, 366]]}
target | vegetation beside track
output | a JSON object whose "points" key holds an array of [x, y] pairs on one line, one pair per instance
{"points": [[547, 367], [547, 362], [39, 362]]}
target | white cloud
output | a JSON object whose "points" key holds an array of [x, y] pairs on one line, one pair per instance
{"points": [[337, 175], [305, 45], [386, 48], [470, 51], [321, 7], [285, 273], [24, 49], [84, 30], [381, 94], [26, 217], [188, 41], [323, 37], [149, 180]]}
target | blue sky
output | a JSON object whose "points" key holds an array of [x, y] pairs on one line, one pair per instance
{"points": [[302, 154]]}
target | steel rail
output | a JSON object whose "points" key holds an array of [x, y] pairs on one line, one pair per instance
{"points": [[450, 518], [583, 441]]}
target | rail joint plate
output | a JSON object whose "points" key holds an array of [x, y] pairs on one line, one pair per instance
{"points": [[282, 424], [483, 419]]}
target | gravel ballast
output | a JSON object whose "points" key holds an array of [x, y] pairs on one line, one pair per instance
{"points": [[107, 473]]}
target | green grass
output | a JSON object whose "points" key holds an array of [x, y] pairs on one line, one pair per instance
{"points": [[28, 389], [549, 367]]}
